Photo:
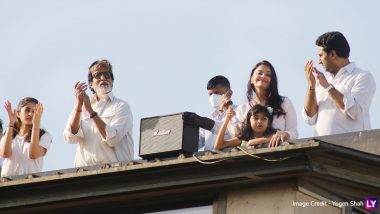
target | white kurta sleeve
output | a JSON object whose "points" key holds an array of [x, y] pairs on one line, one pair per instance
{"points": [[309, 120], [68, 134], [290, 119], [359, 98], [122, 122]]}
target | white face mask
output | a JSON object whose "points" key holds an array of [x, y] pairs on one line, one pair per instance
{"points": [[215, 100]]}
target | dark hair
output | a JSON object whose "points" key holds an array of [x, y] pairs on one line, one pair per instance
{"points": [[17, 125], [274, 99], [99, 63], [334, 41], [218, 80], [1, 126], [247, 133]]}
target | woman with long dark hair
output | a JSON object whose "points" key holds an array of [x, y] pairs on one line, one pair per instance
{"points": [[24, 143], [262, 88]]}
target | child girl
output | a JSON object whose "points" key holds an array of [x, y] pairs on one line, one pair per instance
{"points": [[257, 128], [24, 143]]}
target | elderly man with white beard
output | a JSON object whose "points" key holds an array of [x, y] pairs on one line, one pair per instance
{"points": [[101, 125]]}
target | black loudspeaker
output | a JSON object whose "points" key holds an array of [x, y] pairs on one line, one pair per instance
{"points": [[167, 136]]}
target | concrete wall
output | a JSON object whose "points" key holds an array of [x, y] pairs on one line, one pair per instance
{"points": [[275, 198], [316, 206]]}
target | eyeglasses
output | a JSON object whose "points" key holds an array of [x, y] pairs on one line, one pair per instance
{"points": [[99, 75]]}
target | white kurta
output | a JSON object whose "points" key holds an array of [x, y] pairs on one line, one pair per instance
{"points": [[92, 148], [358, 88], [19, 162]]}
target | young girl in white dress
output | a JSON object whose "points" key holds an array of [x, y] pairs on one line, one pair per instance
{"points": [[257, 129], [24, 144]]}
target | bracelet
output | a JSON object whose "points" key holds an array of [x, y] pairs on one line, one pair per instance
{"points": [[329, 87], [76, 109], [93, 114]]}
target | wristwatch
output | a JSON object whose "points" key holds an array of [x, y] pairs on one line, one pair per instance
{"points": [[329, 87], [93, 114]]}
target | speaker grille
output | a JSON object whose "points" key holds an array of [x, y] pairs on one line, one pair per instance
{"points": [[165, 135]]}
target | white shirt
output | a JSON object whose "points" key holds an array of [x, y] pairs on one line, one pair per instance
{"points": [[19, 162], [92, 148], [287, 122], [207, 138], [358, 88]]}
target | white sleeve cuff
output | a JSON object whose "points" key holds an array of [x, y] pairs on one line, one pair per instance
{"points": [[69, 136], [110, 133], [349, 102], [309, 120]]}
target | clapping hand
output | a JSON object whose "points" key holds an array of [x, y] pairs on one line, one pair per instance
{"points": [[37, 115], [310, 71], [12, 116], [87, 103], [321, 78], [80, 90]]}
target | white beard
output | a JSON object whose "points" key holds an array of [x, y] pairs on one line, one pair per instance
{"points": [[102, 90]]}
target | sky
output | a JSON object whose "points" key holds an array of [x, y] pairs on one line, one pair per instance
{"points": [[164, 52]]}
